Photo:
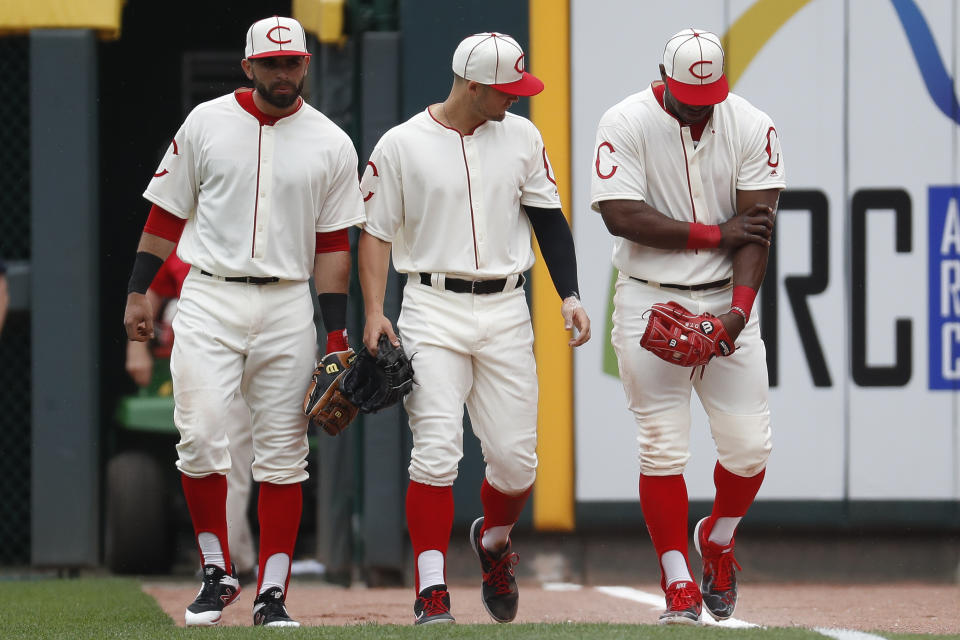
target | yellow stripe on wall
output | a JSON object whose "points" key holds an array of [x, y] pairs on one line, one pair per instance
{"points": [[104, 16], [751, 31], [549, 60]]}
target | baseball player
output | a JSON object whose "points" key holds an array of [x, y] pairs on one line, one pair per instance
{"points": [[687, 177], [453, 193], [162, 294], [262, 188]]}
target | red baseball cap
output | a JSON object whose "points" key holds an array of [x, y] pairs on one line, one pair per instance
{"points": [[693, 60], [495, 59]]}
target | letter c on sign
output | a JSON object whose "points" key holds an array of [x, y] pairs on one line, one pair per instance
{"points": [[613, 168]]}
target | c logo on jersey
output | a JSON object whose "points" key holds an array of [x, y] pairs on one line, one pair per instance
{"points": [[375, 175], [772, 140], [699, 63], [546, 167], [519, 65], [613, 167], [176, 152], [277, 39]]}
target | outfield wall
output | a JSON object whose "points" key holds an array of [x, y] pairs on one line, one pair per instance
{"points": [[861, 304]]}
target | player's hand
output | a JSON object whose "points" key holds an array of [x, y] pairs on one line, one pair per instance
{"points": [[138, 318], [733, 323], [575, 318], [753, 225], [139, 363], [377, 324]]}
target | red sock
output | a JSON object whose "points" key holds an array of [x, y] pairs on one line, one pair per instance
{"points": [[278, 509], [207, 502], [499, 509], [735, 494], [429, 521], [664, 503]]}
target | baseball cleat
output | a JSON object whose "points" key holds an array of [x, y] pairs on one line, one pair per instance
{"points": [[719, 583], [433, 606], [217, 591], [269, 610], [498, 590], [684, 604]]}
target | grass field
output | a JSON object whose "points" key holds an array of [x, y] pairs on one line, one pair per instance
{"points": [[99, 608]]}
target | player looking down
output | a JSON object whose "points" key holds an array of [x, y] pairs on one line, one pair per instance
{"points": [[687, 178]]}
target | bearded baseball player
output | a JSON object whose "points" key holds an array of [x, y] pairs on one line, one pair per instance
{"points": [[687, 177], [162, 294], [260, 189], [453, 193]]}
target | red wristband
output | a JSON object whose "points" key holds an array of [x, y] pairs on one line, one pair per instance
{"points": [[337, 341], [742, 303], [703, 236]]}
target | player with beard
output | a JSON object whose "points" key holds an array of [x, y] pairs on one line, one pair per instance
{"points": [[259, 189]]}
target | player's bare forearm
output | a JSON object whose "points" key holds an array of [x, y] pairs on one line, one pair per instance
{"points": [[750, 259], [331, 272], [637, 221], [373, 262], [156, 245]]}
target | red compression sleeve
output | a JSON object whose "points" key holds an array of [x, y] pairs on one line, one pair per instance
{"points": [[333, 241], [703, 236], [164, 224], [743, 297]]}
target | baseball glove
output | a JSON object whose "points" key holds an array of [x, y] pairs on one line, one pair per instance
{"points": [[377, 382], [680, 337], [325, 404]]}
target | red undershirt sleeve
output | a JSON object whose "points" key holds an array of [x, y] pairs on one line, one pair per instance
{"points": [[331, 241], [164, 224]]}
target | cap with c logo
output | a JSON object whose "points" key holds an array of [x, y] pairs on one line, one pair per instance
{"points": [[276, 36], [495, 59], [693, 61]]}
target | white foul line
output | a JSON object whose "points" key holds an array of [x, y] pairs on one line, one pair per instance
{"points": [[656, 601], [846, 634]]}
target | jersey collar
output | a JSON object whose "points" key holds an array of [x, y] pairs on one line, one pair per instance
{"points": [[245, 100]]}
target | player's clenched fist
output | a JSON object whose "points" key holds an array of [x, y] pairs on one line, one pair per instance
{"points": [[138, 318], [753, 225]]}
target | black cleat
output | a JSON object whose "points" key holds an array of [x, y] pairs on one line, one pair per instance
{"points": [[719, 583], [499, 588], [217, 591], [684, 604], [433, 606], [269, 610]]}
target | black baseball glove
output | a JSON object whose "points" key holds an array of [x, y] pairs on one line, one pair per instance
{"points": [[324, 403], [377, 382]]}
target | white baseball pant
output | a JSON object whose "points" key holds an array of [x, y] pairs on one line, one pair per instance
{"points": [[475, 350], [733, 390], [260, 340]]}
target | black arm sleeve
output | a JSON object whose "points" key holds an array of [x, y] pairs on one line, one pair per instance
{"points": [[556, 245], [333, 311]]}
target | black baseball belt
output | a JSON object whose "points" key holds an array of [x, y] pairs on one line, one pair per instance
{"points": [[246, 279], [472, 286], [686, 287]]}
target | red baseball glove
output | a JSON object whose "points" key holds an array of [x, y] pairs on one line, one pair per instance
{"points": [[679, 337]]}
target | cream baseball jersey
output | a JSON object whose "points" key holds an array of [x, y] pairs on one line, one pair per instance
{"points": [[642, 153], [239, 183], [450, 203]]}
